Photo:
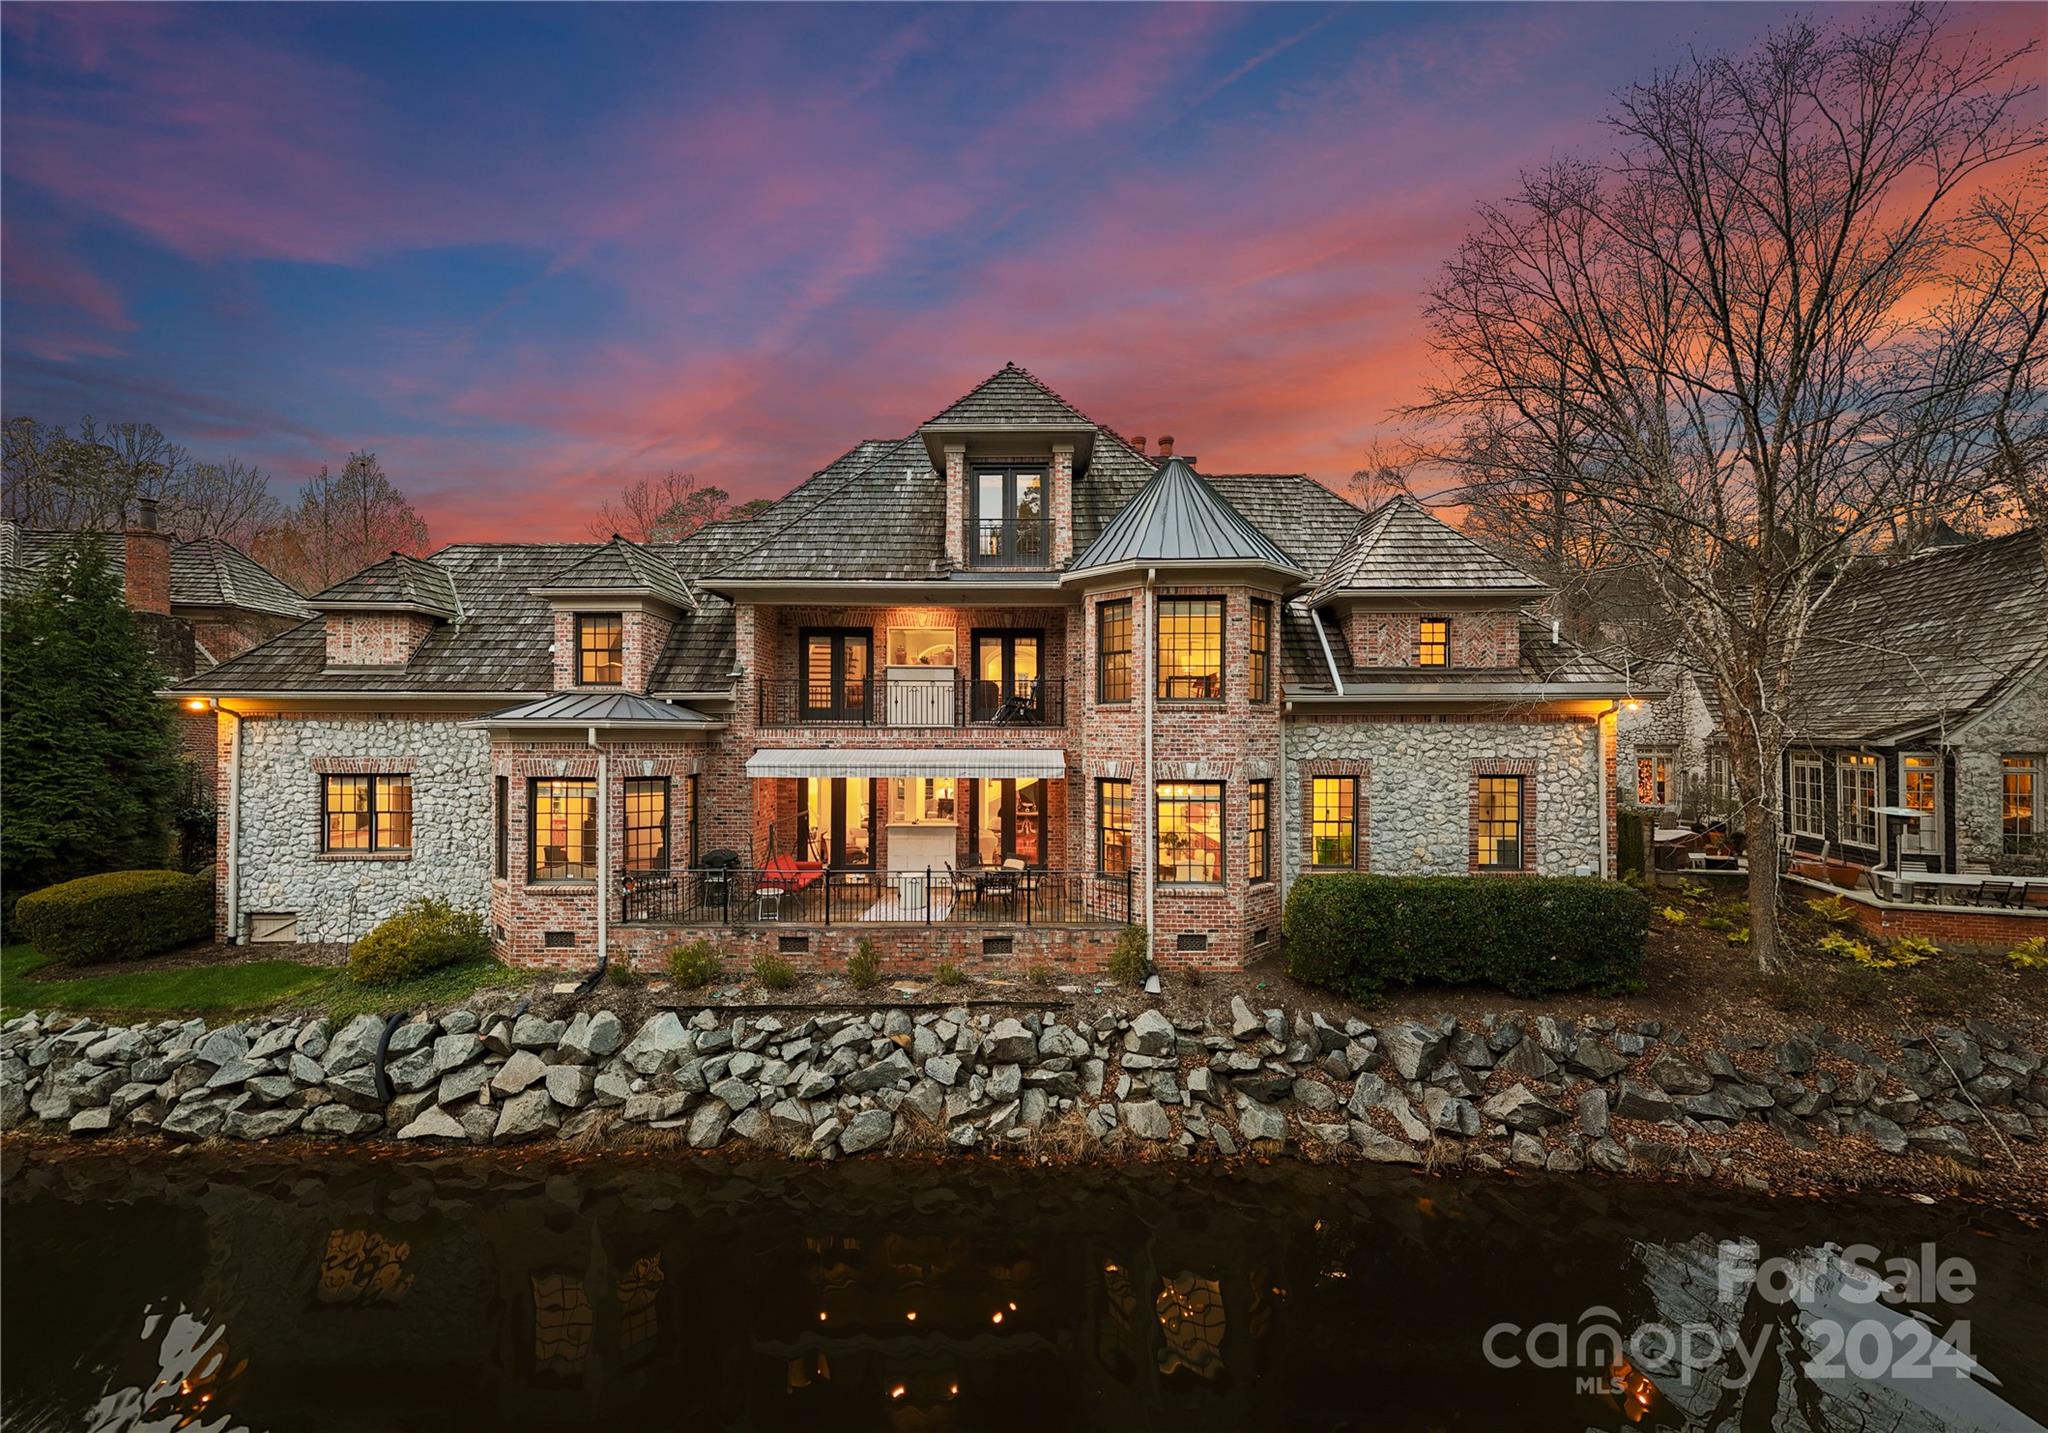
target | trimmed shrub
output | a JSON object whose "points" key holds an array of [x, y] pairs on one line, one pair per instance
{"points": [[119, 915], [1131, 961], [864, 966], [695, 965], [1526, 935], [425, 935], [772, 972]]}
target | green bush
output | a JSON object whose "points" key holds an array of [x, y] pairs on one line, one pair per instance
{"points": [[772, 972], [1131, 961], [425, 935], [948, 972], [1040, 972], [695, 965], [864, 966], [624, 974], [120, 915], [1527, 935]]}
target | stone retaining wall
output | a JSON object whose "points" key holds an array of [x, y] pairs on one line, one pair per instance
{"points": [[1537, 1094]]}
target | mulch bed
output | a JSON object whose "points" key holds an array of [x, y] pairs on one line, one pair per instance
{"points": [[212, 953]]}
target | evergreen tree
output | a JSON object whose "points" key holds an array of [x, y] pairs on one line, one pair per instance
{"points": [[90, 769]]}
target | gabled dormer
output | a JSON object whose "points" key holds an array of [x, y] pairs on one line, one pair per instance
{"points": [[378, 618], [1008, 452], [613, 611], [1410, 591]]}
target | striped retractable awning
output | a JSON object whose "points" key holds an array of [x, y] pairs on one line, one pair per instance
{"points": [[909, 761]]}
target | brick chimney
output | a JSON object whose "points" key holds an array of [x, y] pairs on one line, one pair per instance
{"points": [[146, 561], [1139, 442], [1166, 445]]}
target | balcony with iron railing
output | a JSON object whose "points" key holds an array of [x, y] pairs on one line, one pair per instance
{"points": [[1016, 541], [788, 891], [928, 700]]}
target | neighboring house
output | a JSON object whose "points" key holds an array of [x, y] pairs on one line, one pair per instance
{"points": [[1923, 687], [995, 689], [1674, 759], [196, 603]]}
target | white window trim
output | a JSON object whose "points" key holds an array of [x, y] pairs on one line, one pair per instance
{"points": [[1820, 798], [1843, 765]]}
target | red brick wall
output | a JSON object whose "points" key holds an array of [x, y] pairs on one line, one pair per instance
{"points": [[374, 639], [147, 559], [1966, 930], [642, 635], [956, 504], [1061, 510], [1486, 639], [231, 634]]}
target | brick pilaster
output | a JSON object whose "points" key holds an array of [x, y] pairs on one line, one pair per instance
{"points": [[956, 504]]}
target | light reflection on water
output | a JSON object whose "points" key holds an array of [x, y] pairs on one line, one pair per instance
{"points": [[274, 1292]]}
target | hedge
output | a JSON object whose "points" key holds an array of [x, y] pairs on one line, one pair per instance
{"points": [[117, 915], [425, 935], [1527, 935]]}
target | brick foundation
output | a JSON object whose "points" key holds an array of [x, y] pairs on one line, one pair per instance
{"points": [[905, 949]]}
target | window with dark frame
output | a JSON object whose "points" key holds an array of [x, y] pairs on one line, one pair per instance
{"points": [[1190, 649], [562, 829], [1113, 651], [1500, 834], [1112, 826], [647, 823], [2020, 824], [1433, 644], [1333, 822], [690, 815], [600, 649], [1188, 816], [1261, 650], [366, 813], [837, 664], [502, 798], [1258, 844], [1010, 517]]}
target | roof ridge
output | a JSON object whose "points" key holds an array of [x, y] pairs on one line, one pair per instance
{"points": [[892, 446]]}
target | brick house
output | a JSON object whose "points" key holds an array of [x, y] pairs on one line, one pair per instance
{"points": [[987, 692], [1922, 688]]}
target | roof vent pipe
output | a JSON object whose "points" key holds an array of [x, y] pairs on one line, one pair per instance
{"points": [[1556, 630]]}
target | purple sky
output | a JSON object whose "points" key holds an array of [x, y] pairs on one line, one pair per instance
{"points": [[529, 253]]}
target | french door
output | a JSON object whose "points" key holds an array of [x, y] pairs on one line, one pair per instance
{"points": [[1006, 667], [836, 821], [1920, 787], [837, 663], [1009, 821]]}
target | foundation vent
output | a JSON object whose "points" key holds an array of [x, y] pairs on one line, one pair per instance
{"points": [[999, 945], [1191, 944], [557, 939], [793, 944], [1259, 936]]}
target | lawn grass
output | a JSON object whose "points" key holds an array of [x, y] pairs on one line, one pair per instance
{"points": [[246, 988]]}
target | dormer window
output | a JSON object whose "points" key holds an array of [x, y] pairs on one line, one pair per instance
{"points": [[1433, 646], [1010, 518], [600, 649]]}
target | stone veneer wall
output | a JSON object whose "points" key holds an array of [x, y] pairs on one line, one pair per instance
{"points": [[2016, 726], [341, 896], [1416, 776]]}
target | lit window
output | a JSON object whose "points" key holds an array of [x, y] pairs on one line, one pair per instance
{"points": [[1433, 647], [1653, 778], [1009, 519], [1113, 826], [1190, 819], [1333, 821], [600, 650], [2022, 823], [1857, 800], [1113, 651], [563, 829], [1808, 803], [1260, 667], [1258, 848], [1191, 649], [647, 823], [367, 813], [1501, 846]]}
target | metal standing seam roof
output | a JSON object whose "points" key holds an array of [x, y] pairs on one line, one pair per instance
{"points": [[1177, 517], [596, 709], [1402, 545]]}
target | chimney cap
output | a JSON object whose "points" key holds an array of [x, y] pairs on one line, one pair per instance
{"points": [[145, 514], [1139, 442], [1166, 445]]}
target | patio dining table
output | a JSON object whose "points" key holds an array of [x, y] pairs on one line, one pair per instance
{"points": [[1904, 881]]}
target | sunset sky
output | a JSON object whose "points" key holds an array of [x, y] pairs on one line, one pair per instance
{"points": [[529, 253]]}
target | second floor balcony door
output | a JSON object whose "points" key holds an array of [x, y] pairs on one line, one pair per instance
{"points": [[1009, 519], [835, 678], [1006, 676]]}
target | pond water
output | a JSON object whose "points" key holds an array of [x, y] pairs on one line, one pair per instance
{"points": [[307, 1292]]}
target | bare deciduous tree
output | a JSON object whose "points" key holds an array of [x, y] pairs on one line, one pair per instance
{"points": [[56, 480], [663, 509], [1720, 308], [230, 500], [343, 523]]}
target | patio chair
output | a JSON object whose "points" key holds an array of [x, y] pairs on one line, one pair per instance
{"points": [[2007, 894]]}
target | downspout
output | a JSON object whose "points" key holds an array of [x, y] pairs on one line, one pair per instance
{"points": [[604, 863], [1600, 764], [1277, 818], [1328, 657], [1151, 796], [234, 824]]}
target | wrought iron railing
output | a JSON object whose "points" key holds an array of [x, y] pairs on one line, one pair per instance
{"points": [[793, 893], [943, 699], [1012, 541]]}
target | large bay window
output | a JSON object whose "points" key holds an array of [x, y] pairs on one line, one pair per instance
{"points": [[562, 829], [366, 813], [1189, 817], [1190, 649]]}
